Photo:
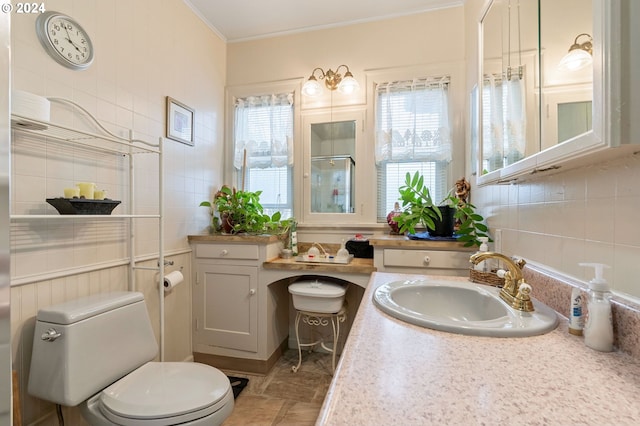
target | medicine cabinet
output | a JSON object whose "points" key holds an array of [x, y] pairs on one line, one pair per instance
{"points": [[567, 116], [333, 156]]}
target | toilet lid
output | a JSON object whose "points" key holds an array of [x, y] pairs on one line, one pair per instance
{"points": [[161, 390]]}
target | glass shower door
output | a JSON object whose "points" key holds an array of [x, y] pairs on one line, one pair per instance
{"points": [[332, 179]]}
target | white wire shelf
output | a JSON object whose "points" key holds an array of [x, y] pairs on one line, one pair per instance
{"points": [[83, 216], [105, 141]]}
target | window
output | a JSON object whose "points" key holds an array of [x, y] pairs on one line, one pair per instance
{"points": [[263, 149], [412, 134]]}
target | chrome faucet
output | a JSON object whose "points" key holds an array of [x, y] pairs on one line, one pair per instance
{"points": [[515, 291]]}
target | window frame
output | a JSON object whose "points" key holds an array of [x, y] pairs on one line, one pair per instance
{"points": [[458, 103], [231, 174]]}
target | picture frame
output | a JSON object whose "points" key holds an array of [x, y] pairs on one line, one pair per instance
{"points": [[180, 122]]}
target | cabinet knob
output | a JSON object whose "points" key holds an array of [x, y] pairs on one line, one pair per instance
{"points": [[426, 259], [252, 291], [224, 252]]}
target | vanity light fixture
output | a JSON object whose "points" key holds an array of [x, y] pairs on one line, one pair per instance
{"points": [[579, 56], [332, 80]]}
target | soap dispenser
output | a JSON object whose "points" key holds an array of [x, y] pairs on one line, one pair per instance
{"points": [[343, 253], [482, 266], [598, 331]]}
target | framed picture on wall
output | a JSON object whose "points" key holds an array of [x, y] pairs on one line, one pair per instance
{"points": [[180, 122]]}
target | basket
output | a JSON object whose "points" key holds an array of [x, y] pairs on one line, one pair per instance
{"points": [[489, 278], [83, 206]]}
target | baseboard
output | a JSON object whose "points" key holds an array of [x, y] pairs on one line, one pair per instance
{"points": [[243, 365]]}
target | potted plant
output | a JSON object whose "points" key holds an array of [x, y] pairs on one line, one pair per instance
{"points": [[241, 212], [418, 209]]}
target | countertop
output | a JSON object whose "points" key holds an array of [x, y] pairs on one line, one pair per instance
{"points": [[401, 241], [394, 373], [356, 266], [238, 238]]}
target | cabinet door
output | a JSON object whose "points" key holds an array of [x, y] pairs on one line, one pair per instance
{"points": [[226, 306]]}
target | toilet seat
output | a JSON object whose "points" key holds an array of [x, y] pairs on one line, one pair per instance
{"points": [[166, 393]]}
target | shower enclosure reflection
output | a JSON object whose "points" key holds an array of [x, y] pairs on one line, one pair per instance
{"points": [[333, 167]]}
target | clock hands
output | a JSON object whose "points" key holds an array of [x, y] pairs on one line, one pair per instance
{"points": [[68, 38]]}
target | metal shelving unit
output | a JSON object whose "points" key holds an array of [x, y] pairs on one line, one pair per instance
{"points": [[101, 140]]}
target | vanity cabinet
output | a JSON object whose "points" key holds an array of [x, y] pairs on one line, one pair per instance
{"points": [[239, 321]]}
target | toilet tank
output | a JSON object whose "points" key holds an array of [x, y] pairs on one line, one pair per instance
{"points": [[101, 339]]}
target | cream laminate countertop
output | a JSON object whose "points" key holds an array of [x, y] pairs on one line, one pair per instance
{"points": [[394, 373]]}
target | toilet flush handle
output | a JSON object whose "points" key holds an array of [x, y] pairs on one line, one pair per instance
{"points": [[50, 335]]}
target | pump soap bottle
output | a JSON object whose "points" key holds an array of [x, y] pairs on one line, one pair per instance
{"points": [[482, 266], [598, 331]]}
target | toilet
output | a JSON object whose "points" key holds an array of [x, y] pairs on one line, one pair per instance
{"points": [[96, 352]]}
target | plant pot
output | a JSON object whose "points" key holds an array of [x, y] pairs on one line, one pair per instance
{"points": [[226, 224], [444, 227]]}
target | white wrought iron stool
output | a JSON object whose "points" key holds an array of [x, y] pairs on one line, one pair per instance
{"points": [[320, 319]]}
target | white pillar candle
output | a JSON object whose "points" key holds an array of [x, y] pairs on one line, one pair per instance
{"points": [[86, 189], [71, 192]]}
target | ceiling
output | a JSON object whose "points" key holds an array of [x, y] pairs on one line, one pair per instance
{"points": [[237, 20]]}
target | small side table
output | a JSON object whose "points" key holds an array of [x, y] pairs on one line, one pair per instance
{"points": [[320, 319]]}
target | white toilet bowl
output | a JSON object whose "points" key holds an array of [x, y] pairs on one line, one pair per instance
{"points": [[163, 394]]}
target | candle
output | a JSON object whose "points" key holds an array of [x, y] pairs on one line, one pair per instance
{"points": [[86, 189], [99, 194], [71, 192]]}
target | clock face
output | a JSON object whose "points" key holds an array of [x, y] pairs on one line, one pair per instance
{"points": [[65, 40]]}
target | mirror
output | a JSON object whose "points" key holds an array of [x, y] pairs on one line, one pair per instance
{"points": [[333, 167], [529, 103], [566, 93], [510, 81]]}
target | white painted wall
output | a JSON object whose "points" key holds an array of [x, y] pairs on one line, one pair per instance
{"points": [[400, 48]]}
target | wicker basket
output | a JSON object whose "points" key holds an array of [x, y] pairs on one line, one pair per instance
{"points": [[489, 278]]}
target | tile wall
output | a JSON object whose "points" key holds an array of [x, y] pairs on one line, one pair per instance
{"points": [[145, 50], [586, 214]]}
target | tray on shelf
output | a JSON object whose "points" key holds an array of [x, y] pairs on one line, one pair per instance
{"points": [[83, 206], [330, 259]]}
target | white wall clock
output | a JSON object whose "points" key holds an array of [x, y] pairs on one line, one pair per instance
{"points": [[64, 40]]}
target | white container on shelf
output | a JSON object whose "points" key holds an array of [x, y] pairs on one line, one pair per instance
{"points": [[317, 296]]}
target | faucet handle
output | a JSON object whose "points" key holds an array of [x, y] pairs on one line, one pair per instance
{"points": [[522, 301]]}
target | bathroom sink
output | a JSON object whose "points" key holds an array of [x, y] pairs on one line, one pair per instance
{"points": [[461, 307]]}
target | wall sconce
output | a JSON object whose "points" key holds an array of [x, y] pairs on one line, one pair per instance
{"points": [[579, 56], [332, 80]]}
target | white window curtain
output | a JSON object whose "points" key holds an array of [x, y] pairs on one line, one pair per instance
{"points": [[412, 121], [505, 125], [264, 128], [515, 120]]}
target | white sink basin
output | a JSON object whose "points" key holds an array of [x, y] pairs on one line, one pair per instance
{"points": [[461, 307]]}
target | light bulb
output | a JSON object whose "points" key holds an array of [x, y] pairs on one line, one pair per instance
{"points": [[311, 87], [574, 60], [348, 85]]}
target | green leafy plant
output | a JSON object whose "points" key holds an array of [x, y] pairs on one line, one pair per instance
{"points": [[418, 209], [241, 212]]}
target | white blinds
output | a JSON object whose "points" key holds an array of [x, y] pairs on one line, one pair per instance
{"points": [[264, 128], [412, 121]]}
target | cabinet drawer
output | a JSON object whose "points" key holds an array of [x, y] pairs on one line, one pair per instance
{"points": [[228, 251], [427, 259]]}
